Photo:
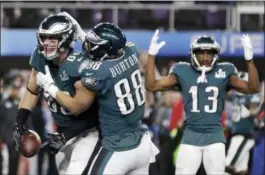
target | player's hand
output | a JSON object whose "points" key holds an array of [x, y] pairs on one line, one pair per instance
{"points": [[248, 49], [79, 33], [46, 82], [19, 130], [55, 142], [154, 45]]}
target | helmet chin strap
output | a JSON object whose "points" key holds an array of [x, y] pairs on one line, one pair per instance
{"points": [[202, 77], [105, 56], [203, 69]]}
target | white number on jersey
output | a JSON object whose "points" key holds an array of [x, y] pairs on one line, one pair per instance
{"points": [[207, 108], [53, 106], [124, 94], [239, 112]]}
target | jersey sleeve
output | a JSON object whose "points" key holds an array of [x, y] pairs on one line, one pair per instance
{"points": [[178, 69], [91, 76], [74, 62], [133, 47], [230, 69]]}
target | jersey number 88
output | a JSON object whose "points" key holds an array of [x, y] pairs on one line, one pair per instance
{"points": [[124, 93]]}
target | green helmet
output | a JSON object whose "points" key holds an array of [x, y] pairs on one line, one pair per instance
{"points": [[104, 41], [59, 27], [204, 43]]}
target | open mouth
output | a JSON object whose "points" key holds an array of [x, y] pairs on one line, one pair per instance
{"points": [[205, 64], [49, 49]]}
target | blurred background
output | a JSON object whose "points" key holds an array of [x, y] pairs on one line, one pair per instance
{"points": [[179, 21]]}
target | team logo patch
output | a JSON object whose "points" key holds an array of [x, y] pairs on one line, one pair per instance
{"points": [[64, 76], [90, 81], [220, 74]]}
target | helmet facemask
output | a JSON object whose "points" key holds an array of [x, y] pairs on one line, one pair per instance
{"points": [[95, 47]]}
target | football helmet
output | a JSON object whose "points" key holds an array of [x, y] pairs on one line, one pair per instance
{"points": [[55, 27], [103, 41], [204, 43]]}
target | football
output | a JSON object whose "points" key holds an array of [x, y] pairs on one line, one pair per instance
{"points": [[30, 144]]}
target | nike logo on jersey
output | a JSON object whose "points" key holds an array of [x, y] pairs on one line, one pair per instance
{"points": [[220, 74], [88, 74], [64, 76], [79, 59]]}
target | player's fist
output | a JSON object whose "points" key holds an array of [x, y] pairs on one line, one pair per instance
{"points": [[154, 45], [19, 130], [247, 45], [46, 82], [54, 143]]}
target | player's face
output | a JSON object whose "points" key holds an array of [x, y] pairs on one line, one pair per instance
{"points": [[50, 44], [205, 57]]}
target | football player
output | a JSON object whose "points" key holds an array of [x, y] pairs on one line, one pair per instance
{"points": [[113, 76], [203, 84], [55, 38], [245, 111]]}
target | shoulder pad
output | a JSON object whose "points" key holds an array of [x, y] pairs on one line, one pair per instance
{"points": [[225, 64], [130, 44], [94, 69], [132, 47], [183, 63], [74, 61], [75, 57], [178, 65], [94, 75], [228, 66]]}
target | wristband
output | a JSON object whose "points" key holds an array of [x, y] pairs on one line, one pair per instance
{"points": [[22, 116]]}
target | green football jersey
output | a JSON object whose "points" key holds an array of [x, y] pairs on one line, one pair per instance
{"points": [[242, 121], [120, 93], [204, 102], [65, 77]]}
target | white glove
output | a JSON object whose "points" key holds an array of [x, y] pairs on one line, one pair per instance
{"points": [[247, 45], [79, 33], [46, 82], [154, 45]]}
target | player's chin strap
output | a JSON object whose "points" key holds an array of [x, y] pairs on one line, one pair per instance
{"points": [[202, 77], [203, 69]]}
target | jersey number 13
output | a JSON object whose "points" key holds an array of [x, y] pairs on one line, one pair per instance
{"points": [[213, 98]]}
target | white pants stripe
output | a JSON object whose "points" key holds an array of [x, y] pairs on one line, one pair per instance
{"points": [[134, 161], [74, 156], [238, 152]]}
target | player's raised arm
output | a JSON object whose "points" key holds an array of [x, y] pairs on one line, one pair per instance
{"points": [[165, 82], [77, 104], [253, 84]]}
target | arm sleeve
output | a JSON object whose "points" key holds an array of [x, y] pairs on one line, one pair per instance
{"points": [[92, 81], [232, 70]]}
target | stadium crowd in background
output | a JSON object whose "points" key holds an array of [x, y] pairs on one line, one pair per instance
{"points": [[213, 18], [164, 117]]}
